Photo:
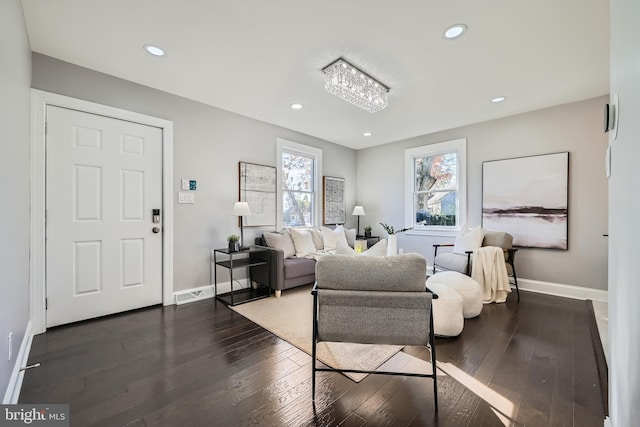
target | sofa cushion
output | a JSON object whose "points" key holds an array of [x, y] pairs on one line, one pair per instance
{"points": [[302, 242], [297, 267], [316, 235], [330, 238], [280, 241]]}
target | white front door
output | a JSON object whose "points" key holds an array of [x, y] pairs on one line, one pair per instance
{"points": [[103, 250]]}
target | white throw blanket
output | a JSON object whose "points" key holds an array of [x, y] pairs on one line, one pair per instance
{"points": [[490, 270]]}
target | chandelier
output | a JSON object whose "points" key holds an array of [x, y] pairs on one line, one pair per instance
{"points": [[355, 86]]}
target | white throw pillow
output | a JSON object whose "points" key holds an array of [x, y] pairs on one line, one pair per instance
{"points": [[469, 241], [331, 237], [302, 242], [280, 241], [379, 249], [316, 235], [349, 233]]}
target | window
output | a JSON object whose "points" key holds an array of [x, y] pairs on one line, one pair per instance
{"points": [[300, 168], [435, 187]]}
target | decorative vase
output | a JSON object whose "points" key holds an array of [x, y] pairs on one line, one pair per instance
{"points": [[392, 245], [234, 246], [367, 234]]}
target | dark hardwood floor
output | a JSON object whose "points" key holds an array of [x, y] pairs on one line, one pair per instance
{"points": [[201, 364]]}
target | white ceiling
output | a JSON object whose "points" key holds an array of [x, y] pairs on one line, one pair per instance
{"points": [[256, 57]]}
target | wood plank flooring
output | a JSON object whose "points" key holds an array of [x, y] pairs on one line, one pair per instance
{"points": [[201, 364]]}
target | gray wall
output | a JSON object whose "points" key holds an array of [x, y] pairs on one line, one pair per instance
{"points": [[15, 74], [576, 128], [208, 144], [624, 250]]}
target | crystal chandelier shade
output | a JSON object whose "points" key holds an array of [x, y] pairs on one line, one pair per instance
{"points": [[355, 86]]}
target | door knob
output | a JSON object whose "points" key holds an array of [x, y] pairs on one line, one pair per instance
{"points": [[155, 229]]}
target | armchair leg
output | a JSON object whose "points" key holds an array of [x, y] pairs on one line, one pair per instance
{"points": [[278, 293], [313, 347], [515, 281], [432, 344]]}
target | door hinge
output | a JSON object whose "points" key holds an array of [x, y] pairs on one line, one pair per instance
{"points": [[46, 303]]}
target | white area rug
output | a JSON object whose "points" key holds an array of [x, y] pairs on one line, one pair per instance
{"points": [[289, 317]]}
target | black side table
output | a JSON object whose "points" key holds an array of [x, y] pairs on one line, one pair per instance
{"points": [[245, 258]]}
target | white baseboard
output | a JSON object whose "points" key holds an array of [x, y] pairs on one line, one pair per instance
{"points": [[607, 422], [15, 382], [557, 289], [206, 292], [560, 290]]}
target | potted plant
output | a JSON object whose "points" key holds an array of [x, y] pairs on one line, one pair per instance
{"points": [[367, 232], [392, 244], [234, 243]]}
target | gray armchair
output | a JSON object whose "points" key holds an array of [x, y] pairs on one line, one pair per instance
{"points": [[449, 261], [373, 300]]}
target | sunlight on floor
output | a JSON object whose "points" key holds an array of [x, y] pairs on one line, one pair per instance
{"points": [[501, 406]]}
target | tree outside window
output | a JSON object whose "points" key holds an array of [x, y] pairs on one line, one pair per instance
{"points": [[298, 186], [435, 185], [435, 192]]}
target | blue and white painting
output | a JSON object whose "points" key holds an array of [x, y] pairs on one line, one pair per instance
{"points": [[528, 198]]}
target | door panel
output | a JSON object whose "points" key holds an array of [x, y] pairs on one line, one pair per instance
{"points": [[104, 177]]}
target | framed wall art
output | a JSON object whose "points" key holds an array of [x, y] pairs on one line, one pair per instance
{"points": [[528, 198], [258, 189], [334, 205]]}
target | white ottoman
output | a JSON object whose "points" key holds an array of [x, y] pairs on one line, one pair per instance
{"points": [[469, 290], [447, 311]]}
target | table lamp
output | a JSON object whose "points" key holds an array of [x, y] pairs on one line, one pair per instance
{"points": [[358, 210], [241, 209]]}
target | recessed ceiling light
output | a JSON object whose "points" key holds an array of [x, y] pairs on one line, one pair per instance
{"points": [[367, 134], [296, 106], [498, 99], [154, 50], [454, 31]]}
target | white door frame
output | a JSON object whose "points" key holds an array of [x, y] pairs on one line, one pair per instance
{"points": [[39, 102]]}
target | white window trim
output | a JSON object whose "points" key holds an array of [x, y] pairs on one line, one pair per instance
{"points": [[457, 145], [316, 153]]}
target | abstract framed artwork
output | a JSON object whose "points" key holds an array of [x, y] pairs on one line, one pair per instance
{"points": [[528, 198], [258, 189], [334, 205]]}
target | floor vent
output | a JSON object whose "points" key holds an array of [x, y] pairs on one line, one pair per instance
{"points": [[192, 295]]}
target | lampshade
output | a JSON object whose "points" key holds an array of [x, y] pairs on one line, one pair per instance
{"points": [[241, 209], [358, 210]]}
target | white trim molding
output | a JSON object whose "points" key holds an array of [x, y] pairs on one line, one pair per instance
{"points": [[458, 146], [306, 150], [12, 393], [560, 290], [39, 102]]}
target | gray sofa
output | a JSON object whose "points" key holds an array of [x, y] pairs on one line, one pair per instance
{"points": [[286, 273]]}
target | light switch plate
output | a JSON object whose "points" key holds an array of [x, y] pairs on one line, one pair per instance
{"points": [[185, 184], [185, 197]]}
